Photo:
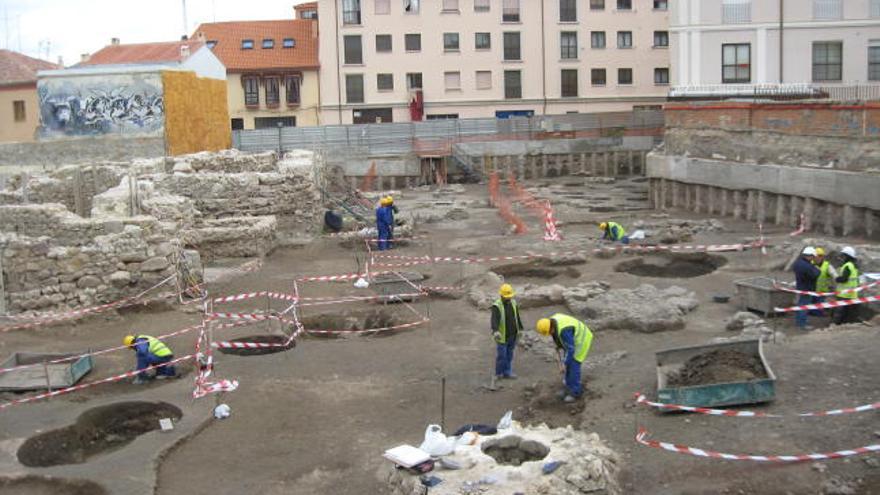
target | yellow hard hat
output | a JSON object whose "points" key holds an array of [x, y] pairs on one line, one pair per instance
{"points": [[384, 201], [506, 291], [543, 326], [128, 340], [820, 252], [390, 199], [603, 226]]}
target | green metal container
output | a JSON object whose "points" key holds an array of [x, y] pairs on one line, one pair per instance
{"points": [[714, 394]]}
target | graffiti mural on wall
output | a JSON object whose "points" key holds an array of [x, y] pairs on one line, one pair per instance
{"points": [[90, 105]]}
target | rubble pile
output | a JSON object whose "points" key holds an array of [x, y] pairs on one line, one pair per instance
{"points": [[643, 309]]}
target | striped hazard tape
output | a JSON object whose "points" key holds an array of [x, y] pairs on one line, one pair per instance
{"points": [[368, 330], [684, 449], [832, 304], [825, 294], [641, 399]]}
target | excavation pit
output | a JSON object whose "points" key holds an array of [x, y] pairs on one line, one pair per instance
{"points": [[535, 269], [278, 345], [513, 450], [350, 323], [686, 265], [98, 430], [44, 485]]}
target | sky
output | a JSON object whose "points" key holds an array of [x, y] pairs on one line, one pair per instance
{"points": [[48, 29]]}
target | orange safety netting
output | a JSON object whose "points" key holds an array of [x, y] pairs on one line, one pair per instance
{"points": [[503, 204], [369, 179]]}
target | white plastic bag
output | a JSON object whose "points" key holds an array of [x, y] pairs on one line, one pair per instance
{"points": [[436, 443], [505, 421], [361, 283], [637, 235], [222, 411]]}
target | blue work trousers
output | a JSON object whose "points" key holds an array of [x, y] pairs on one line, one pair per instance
{"points": [[504, 358], [573, 378], [800, 317], [152, 360], [384, 238]]}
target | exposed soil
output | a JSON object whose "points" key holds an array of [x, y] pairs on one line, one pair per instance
{"points": [[44, 485], [347, 323], [672, 265], [259, 351], [97, 430], [535, 269], [719, 366], [514, 450]]}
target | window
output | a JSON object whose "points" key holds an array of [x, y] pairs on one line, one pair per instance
{"points": [[385, 82], [450, 42], [874, 61], [18, 110], [251, 91], [353, 53], [441, 116], [875, 8], [624, 39], [569, 83], [661, 39], [624, 5], [736, 66], [382, 7], [411, 6], [482, 41], [247, 44], [309, 14], [661, 75], [512, 84], [827, 61], [274, 122], [481, 5], [597, 39], [291, 88], [354, 88], [273, 91], [288, 43], [484, 79], [827, 9], [568, 45], [413, 42], [568, 11], [624, 76], [414, 80], [511, 46], [383, 43], [211, 44], [237, 124], [597, 77], [450, 5], [510, 11], [351, 12], [661, 5], [452, 81], [736, 11], [597, 4], [268, 43]]}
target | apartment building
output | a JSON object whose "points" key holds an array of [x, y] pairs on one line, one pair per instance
{"points": [[19, 104], [409, 60], [774, 41]]}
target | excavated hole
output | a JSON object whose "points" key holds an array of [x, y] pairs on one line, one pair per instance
{"points": [[98, 430], [685, 265], [259, 351], [351, 321], [45, 485], [537, 269], [513, 450]]}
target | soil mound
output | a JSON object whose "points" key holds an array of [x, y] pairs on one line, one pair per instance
{"points": [[720, 366]]}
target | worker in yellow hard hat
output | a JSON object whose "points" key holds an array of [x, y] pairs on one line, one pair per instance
{"points": [[614, 232], [573, 337], [150, 351], [384, 223], [825, 282], [506, 325]]}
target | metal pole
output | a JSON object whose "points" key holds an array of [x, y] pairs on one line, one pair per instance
{"points": [[781, 38], [443, 403]]}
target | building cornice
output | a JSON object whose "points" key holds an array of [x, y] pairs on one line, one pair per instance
{"points": [[774, 25], [529, 101]]}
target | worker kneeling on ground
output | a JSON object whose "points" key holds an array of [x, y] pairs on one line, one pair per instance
{"points": [[506, 325], [575, 338], [614, 232], [150, 351]]}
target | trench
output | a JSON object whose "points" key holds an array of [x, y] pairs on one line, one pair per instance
{"points": [[672, 265], [96, 431], [537, 269], [349, 322], [513, 450], [259, 351], [46, 485]]}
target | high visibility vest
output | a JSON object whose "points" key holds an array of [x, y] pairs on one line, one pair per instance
{"points": [[611, 230], [823, 283], [502, 323], [155, 346], [583, 336], [851, 283]]}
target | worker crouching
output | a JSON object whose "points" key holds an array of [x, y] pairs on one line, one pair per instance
{"points": [[150, 351], [574, 338]]}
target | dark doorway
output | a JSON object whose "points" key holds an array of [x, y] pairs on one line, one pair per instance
{"points": [[237, 124], [372, 116], [273, 122]]}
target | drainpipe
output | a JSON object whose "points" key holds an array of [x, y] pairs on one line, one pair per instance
{"points": [[543, 62], [338, 70], [781, 37]]}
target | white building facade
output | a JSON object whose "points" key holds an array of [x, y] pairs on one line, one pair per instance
{"points": [[489, 58], [774, 41]]}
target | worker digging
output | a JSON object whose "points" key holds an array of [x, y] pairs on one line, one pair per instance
{"points": [[572, 338], [150, 352]]}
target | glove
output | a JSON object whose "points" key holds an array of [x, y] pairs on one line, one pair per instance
{"points": [[496, 336]]}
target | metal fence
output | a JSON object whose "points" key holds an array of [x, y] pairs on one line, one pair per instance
{"points": [[777, 92], [437, 136]]}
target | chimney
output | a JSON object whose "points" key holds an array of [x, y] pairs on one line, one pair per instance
{"points": [[84, 57], [200, 36], [114, 41], [184, 52]]}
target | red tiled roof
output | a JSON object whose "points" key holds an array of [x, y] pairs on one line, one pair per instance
{"points": [[141, 53], [229, 36], [16, 68], [306, 6]]}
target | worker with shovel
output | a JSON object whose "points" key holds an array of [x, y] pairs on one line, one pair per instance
{"points": [[573, 337], [506, 325], [150, 351]]}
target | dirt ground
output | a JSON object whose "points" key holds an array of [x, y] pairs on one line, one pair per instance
{"points": [[316, 418]]}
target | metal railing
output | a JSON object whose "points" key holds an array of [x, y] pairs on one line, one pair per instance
{"points": [[777, 92], [438, 136]]}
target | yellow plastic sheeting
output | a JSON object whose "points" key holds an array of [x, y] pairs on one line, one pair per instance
{"points": [[196, 113]]}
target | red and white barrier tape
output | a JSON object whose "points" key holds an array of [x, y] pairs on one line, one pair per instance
{"points": [[551, 232], [252, 295], [825, 294], [641, 399], [683, 449], [832, 304], [368, 330], [336, 278], [802, 226]]}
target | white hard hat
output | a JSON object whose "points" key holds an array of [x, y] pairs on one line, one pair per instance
{"points": [[809, 251], [849, 251]]}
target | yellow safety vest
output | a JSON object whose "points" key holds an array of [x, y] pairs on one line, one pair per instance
{"points": [[583, 336], [823, 283], [620, 231], [502, 323], [156, 346], [851, 283]]}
